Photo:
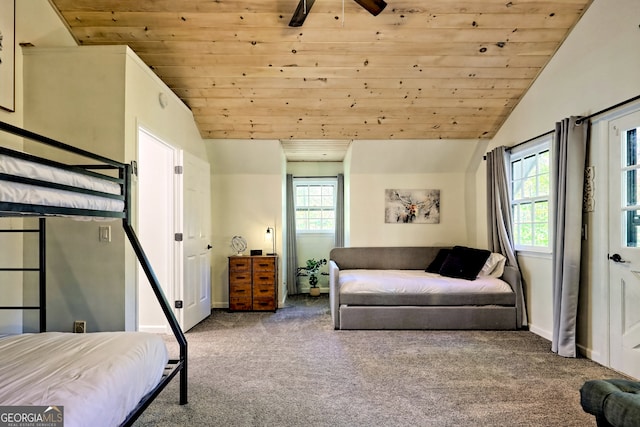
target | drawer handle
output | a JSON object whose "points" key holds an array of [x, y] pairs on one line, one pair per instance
{"points": [[240, 277], [264, 265], [265, 277]]}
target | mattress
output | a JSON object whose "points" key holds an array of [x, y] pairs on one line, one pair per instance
{"points": [[98, 378], [416, 287], [38, 195]]}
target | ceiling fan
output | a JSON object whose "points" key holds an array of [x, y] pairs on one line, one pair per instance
{"points": [[374, 7]]}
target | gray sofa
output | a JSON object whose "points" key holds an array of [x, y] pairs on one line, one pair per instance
{"points": [[438, 311]]}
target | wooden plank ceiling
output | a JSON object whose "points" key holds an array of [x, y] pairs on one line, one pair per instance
{"points": [[422, 69]]}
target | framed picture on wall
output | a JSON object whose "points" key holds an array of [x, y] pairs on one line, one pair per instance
{"points": [[412, 206], [7, 54]]}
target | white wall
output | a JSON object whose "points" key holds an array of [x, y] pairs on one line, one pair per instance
{"points": [[596, 67], [247, 197], [36, 23], [95, 98], [302, 169], [375, 166]]}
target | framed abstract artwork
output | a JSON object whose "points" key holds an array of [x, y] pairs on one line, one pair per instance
{"points": [[412, 206], [7, 54]]}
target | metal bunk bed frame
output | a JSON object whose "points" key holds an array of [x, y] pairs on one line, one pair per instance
{"points": [[124, 179]]}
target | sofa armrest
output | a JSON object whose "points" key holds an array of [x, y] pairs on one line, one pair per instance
{"points": [[334, 293], [512, 276]]}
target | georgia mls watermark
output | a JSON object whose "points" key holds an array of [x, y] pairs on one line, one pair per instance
{"points": [[31, 416]]}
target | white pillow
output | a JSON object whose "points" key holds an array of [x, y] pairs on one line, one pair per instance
{"points": [[494, 266]]}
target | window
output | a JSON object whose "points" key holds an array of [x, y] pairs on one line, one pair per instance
{"points": [[315, 205], [631, 174], [530, 196]]}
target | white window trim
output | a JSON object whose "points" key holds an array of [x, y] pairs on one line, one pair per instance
{"points": [[328, 181], [520, 152]]}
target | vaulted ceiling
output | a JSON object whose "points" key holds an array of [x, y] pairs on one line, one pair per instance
{"points": [[421, 69]]}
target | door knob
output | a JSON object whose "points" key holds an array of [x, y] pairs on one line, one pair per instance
{"points": [[209, 246], [617, 258]]}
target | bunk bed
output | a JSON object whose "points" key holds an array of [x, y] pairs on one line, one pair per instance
{"points": [[32, 185]]}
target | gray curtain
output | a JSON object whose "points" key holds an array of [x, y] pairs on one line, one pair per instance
{"points": [[292, 257], [499, 222], [339, 239], [569, 156]]}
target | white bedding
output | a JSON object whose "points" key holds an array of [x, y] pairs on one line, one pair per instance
{"points": [[15, 192], [36, 195], [98, 378], [413, 282], [26, 169]]}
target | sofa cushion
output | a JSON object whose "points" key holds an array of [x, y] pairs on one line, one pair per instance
{"points": [[384, 258], [464, 262], [436, 264], [494, 267]]}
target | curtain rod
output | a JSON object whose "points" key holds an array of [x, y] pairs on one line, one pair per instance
{"points": [[597, 113], [529, 140], [318, 176]]}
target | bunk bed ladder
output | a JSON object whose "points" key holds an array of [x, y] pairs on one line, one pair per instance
{"points": [[41, 269], [175, 365]]}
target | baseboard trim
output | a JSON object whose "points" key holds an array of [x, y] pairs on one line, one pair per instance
{"points": [[541, 332]]}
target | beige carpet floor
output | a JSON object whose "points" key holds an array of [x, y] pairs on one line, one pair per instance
{"points": [[290, 368]]}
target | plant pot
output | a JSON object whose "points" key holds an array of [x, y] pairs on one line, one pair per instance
{"points": [[314, 292]]}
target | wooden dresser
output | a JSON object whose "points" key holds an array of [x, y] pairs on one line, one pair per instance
{"points": [[253, 283]]}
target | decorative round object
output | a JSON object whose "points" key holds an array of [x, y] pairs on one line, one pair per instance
{"points": [[239, 244]]}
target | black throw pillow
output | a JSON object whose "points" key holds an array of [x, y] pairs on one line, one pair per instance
{"points": [[464, 263], [436, 264]]}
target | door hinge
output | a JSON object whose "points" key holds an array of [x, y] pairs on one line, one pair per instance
{"points": [[178, 237], [178, 170], [178, 304]]}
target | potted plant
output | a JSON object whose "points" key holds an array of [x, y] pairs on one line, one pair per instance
{"points": [[311, 270]]}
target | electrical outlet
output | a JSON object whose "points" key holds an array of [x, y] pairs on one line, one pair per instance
{"points": [[79, 326]]}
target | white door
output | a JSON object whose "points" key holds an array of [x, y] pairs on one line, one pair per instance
{"points": [[196, 290], [624, 244], [156, 211]]}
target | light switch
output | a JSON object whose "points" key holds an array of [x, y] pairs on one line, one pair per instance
{"points": [[105, 233]]}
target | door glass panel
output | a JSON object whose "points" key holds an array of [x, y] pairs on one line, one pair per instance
{"points": [[632, 187], [632, 226], [631, 151], [631, 192]]}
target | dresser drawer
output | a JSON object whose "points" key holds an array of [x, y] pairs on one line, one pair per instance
{"points": [[240, 304], [239, 264], [264, 291], [240, 277], [264, 304], [264, 264], [240, 289], [264, 277]]}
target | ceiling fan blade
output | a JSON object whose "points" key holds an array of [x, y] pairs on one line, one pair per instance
{"points": [[374, 7], [300, 14]]}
